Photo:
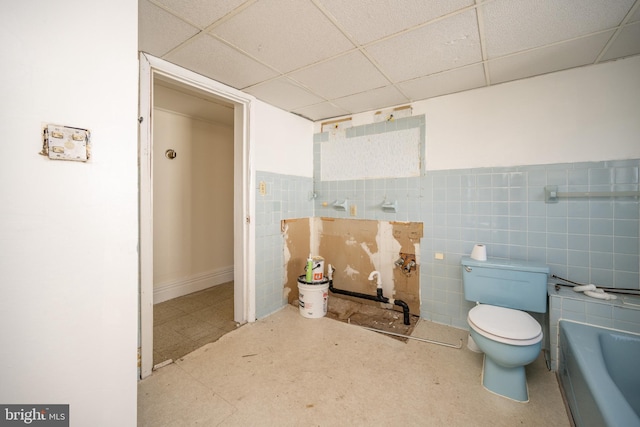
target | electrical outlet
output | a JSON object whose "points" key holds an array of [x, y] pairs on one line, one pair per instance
{"points": [[263, 188], [439, 255], [353, 210]]}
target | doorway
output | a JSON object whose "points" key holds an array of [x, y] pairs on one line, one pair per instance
{"points": [[239, 260]]}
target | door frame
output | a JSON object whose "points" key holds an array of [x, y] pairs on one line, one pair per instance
{"points": [[244, 307]]}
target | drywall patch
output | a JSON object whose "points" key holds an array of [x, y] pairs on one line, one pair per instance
{"points": [[355, 248], [384, 155]]}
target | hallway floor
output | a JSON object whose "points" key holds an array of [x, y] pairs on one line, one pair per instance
{"points": [[287, 370], [184, 324]]}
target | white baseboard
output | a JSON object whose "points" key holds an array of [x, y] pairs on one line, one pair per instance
{"points": [[177, 288]]}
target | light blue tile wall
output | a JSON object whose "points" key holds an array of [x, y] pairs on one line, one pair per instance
{"points": [[286, 197], [585, 240], [623, 313]]}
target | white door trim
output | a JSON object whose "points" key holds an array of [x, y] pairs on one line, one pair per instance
{"points": [[244, 177]]}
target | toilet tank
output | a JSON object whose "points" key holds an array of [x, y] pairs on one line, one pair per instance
{"points": [[521, 285]]}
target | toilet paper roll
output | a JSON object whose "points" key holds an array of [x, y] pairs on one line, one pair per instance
{"points": [[479, 252]]}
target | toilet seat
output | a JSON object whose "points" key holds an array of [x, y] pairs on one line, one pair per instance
{"points": [[505, 325]]}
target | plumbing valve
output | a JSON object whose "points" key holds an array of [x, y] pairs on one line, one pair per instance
{"points": [[406, 262]]}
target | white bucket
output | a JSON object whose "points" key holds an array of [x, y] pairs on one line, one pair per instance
{"points": [[313, 298]]}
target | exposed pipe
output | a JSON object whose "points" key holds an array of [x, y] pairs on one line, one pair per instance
{"points": [[626, 291], [413, 338], [378, 297]]}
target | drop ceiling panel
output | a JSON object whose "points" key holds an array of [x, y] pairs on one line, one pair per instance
{"points": [[214, 59], [285, 34], [372, 100], [159, 31], [636, 16], [557, 57], [627, 43], [443, 45], [325, 58], [516, 25], [284, 93], [370, 20], [443, 83], [321, 111], [200, 12], [342, 76]]}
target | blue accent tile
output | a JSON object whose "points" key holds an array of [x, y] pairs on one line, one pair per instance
{"points": [[601, 260], [557, 177], [601, 243], [578, 226], [626, 210], [578, 258], [518, 179], [500, 180], [626, 245], [626, 262], [602, 227], [600, 176], [626, 175], [626, 279], [578, 177], [556, 225], [626, 228], [574, 305], [601, 277]]}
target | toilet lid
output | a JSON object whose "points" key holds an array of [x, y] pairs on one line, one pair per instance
{"points": [[504, 323]]}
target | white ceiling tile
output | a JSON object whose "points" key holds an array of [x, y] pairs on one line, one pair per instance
{"points": [[159, 31], [515, 25], [321, 111], [443, 45], [286, 34], [453, 81], [283, 93], [371, 100], [557, 57], [342, 76], [369, 20], [626, 44], [214, 59], [201, 12]]}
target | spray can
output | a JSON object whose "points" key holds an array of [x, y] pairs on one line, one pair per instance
{"points": [[309, 270]]}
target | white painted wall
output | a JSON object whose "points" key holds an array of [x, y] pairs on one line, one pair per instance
{"points": [[192, 204], [68, 230], [585, 114], [283, 142]]}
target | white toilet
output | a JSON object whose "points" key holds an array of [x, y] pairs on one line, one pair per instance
{"points": [[508, 337]]}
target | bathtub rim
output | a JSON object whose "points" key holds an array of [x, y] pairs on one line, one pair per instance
{"points": [[615, 404]]}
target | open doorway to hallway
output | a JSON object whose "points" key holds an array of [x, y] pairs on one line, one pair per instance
{"points": [[193, 238], [185, 195]]}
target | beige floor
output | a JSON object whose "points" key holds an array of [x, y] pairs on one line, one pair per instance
{"points": [[287, 370], [184, 324]]}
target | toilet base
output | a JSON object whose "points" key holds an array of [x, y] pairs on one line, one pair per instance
{"points": [[507, 382]]}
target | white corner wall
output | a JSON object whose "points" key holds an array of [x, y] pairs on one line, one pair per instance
{"points": [[68, 230], [283, 142], [580, 115]]}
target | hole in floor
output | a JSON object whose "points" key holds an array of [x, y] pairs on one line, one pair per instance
{"points": [[370, 316]]}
